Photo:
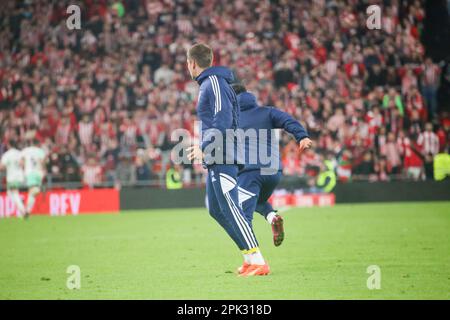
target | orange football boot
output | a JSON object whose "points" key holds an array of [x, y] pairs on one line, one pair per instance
{"points": [[243, 268], [256, 270]]}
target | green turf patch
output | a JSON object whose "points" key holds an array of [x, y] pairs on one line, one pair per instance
{"points": [[184, 254]]}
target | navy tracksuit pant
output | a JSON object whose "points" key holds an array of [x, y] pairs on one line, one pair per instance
{"points": [[254, 191], [223, 205]]}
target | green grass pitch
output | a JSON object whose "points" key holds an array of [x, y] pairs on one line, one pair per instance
{"points": [[184, 254]]}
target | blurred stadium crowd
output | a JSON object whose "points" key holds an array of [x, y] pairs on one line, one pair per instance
{"points": [[104, 100]]}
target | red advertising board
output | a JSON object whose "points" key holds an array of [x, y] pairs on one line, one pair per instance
{"points": [[67, 202], [302, 200]]}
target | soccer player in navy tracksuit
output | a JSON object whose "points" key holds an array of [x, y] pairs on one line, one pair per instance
{"points": [[255, 184], [218, 111]]}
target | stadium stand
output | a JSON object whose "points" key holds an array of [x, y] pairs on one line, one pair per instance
{"points": [[104, 100]]}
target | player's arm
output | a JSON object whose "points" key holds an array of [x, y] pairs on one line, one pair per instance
{"points": [[3, 163], [283, 120], [221, 107], [195, 152], [44, 163], [43, 166]]}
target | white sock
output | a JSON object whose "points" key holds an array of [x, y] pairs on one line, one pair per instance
{"points": [[270, 217], [257, 258], [15, 196], [247, 258]]}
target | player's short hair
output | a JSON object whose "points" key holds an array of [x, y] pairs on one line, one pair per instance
{"points": [[238, 88], [202, 54], [13, 143]]}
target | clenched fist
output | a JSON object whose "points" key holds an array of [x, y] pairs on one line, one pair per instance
{"points": [[304, 144], [194, 153]]}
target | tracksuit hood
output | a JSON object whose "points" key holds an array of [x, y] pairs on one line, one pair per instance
{"points": [[219, 71], [247, 101]]}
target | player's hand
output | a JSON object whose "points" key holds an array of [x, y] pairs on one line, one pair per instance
{"points": [[194, 153], [304, 144]]}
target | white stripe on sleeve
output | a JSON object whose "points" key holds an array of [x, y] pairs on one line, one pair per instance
{"points": [[216, 105]]}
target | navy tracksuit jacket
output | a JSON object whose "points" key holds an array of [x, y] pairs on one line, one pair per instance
{"points": [[259, 178], [218, 111]]}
